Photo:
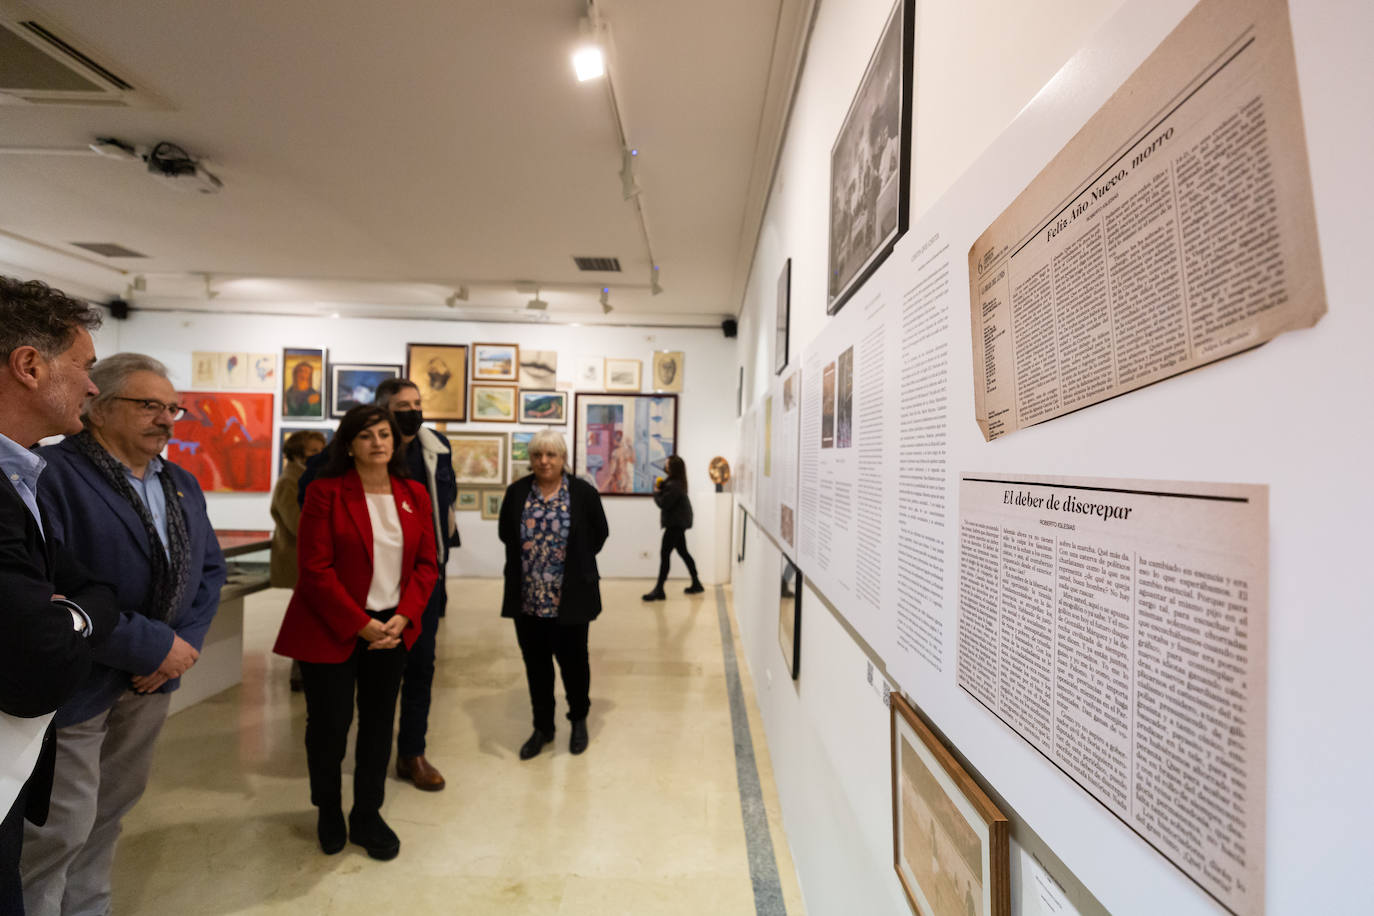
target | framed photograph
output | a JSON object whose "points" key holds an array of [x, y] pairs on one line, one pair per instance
{"points": [[351, 384], [623, 374], [949, 840], [538, 368], [870, 163], [469, 500], [828, 406], [491, 503], [479, 459], [285, 431], [520, 453], [440, 371], [844, 399], [495, 362], [492, 403], [544, 407], [789, 617], [225, 441], [668, 370], [783, 324], [621, 442], [590, 372], [303, 383]]}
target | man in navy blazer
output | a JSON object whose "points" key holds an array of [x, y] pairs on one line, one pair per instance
{"points": [[141, 522]]}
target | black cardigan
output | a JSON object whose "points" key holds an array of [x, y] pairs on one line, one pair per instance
{"points": [[676, 508], [587, 532]]}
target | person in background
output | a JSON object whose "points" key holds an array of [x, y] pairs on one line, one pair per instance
{"points": [[140, 522], [300, 446], [429, 460], [553, 527], [675, 515], [366, 554], [55, 614]]}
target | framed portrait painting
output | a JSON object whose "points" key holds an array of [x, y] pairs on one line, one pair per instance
{"points": [[870, 163], [669, 366], [303, 384], [621, 443], [492, 403], [224, 441], [351, 384], [479, 459], [623, 374], [495, 362], [544, 407], [440, 371], [949, 840]]}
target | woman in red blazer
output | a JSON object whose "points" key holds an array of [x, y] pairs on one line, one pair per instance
{"points": [[365, 547]]}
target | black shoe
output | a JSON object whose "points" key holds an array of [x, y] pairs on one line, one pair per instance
{"points": [[532, 747], [371, 832], [578, 742], [332, 830], [655, 595], [696, 588]]}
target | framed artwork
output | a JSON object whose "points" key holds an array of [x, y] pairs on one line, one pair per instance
{"points": [[622, 442], [783, 324], [303, 383], [225, 441], [262, 371], [544, 407], [495, 362], [204, 369], [491, 503], [468, 500], [668, 370], [590, 372], [743, 528], [789, 617], [949, 840], [844, 399], [351, 384], [479, 459], [440, 371], [870, 163], [283, 432], [492, 403], [739, 394], [623, 374], [233, 370], [538, 368], [828, 406], [520, 454]]}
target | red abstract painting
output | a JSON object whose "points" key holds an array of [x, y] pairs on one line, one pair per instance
{"points": [[225, 441]]}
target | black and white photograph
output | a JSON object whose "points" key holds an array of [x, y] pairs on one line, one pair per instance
{"points": [[844, 399]]}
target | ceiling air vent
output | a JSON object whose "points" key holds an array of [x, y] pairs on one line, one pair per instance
{"points": [[109, 249], [597, 263], [38, 66]]}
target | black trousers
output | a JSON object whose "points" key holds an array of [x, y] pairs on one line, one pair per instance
{"points": [[11, 842], [329, 697], [674, 539], [542, 639], [419, 677]]}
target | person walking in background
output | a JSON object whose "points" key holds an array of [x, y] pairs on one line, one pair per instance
{"points": [[139, 522], [366, 554], [553, 527], [675, 515], [298, 448]]}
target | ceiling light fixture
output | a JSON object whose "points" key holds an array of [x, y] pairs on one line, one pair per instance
{"points": [[629, 184], [606, 307], [536, 303], [459, 295], [209, 292], [589, 61], [654, 288]]}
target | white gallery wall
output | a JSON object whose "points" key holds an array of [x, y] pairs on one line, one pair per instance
{"points": [[1293, 415], [705, 407]]}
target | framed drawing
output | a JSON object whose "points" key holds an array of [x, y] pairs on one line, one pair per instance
{"points": [[262, 371], [668, 370], [303, 383], [233, 370], [204, 369], [285, 431], [492, 403], [479, 459], [590, 372], [491, 503], [870, 163], [494, 362], [538, 368], [949, 840], [544, 407], [623, 374], [783, 324], [469, 500], [621, 442], [351, 384], [789, 617], [440, 371], [224, 441]]}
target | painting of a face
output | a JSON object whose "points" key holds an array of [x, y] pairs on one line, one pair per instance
{"points": [[439, 374]]}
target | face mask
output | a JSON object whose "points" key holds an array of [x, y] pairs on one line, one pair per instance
{"points": [[409, 421]]}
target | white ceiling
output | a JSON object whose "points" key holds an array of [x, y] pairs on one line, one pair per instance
{"points": [[383, 153]]}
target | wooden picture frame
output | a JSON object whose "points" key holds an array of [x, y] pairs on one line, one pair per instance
{"points": [[440, 371], [545, 407], [782, 327], [348, 382], [492, 403], [949, 841], [479, 459], [496, 362], [669, 371], [304, 384], [621, 442], [623, 375], [469, 499], [491, 503], [789, 616], [870, 180]]}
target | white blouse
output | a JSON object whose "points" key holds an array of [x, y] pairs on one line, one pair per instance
{"points": [[387, 544]]}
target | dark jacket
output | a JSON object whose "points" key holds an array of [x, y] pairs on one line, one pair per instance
{"points": [[587, 532], [675, 507]]}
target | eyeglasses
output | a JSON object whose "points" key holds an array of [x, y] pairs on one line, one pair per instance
{"points": [[155, 408]]}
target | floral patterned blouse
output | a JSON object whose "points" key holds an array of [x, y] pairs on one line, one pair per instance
{"points": [[544, 528]]}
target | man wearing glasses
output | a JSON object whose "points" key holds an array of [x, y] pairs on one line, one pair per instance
{"points": [[140, 522]]}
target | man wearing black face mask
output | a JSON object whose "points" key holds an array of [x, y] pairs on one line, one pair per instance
{"points": [[429, 460]]}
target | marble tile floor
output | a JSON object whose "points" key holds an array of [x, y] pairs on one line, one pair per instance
{"points": [[647, 821]]}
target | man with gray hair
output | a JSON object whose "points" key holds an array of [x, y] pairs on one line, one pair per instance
{"points": [[53, 612], [141, 522]]}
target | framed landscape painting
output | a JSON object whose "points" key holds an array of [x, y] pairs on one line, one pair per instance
{"points": [[469, 500], [352, 384], [544, 407], [493, 403], [479, 459], [440, 371], [491, 503], [495, 362], [623, 374], [621, 442]]}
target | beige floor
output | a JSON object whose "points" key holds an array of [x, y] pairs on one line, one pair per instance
{"points": [[646, 822]]}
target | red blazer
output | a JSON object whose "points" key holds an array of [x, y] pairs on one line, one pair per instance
{"points": [[334, 548]]}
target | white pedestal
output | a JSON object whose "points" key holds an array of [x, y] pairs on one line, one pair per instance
{"points": [[725, 540], [220, 665]]}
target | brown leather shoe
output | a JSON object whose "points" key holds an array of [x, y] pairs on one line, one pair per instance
{"points": [[419, 772]]}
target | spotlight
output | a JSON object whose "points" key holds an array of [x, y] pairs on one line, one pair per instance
{"points": [[210, 293], [588, 60], [536, 303], [654, 288], [459, 295], [629, 186], [606, 308]]}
